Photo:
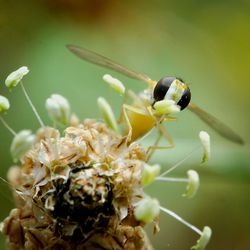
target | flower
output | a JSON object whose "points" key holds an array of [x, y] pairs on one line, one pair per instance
{"points": [[15, 77], [81, 184], [84, 189]]}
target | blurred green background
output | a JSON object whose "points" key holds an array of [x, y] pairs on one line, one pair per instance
{"points": [[205, 42]]}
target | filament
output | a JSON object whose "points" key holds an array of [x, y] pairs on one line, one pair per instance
{"points": [[31, 105], [177, 217], [7, 126]]}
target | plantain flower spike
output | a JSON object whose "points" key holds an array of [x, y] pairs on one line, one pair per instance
{"points": [[83, 188], [78, 190]]}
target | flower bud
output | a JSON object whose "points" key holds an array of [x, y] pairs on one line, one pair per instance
{"points": [[4, 104], [58, 109], [21, 143], [147, 210], [15, 77]]}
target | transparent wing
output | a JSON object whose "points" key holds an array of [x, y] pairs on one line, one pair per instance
{"points": [[217, 125], [100, 60]]}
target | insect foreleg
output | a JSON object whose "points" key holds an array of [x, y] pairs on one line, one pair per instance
{"points": [[162, 133], [135, 99], [125, 109]]}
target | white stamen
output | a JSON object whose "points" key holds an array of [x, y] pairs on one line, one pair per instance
{"points": [[4, 104], [180, 162], [193, 184], [6, 125], [171, 179], [175, 91], [177, 217], [58, 109], [15, 77], [166, 107], [107, 113], [31, 105], [114, 84], [205, 140], [147, 210]]}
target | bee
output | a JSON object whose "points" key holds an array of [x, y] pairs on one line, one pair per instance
{"points": [[141, 116]]}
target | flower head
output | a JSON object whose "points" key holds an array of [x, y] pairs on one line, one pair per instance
{"points": [[84, 188], [86, 181]]}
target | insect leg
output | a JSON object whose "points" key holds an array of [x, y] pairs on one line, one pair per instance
{"points": [[130, 94], [162, 133], [125, 109]]}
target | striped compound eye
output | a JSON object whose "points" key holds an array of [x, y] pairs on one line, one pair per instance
{"points": [[162, 91]]}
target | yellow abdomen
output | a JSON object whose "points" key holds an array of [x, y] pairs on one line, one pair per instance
{"points": [[141, 124]]}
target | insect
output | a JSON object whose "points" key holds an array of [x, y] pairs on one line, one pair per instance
{"points": [[142, 115]]}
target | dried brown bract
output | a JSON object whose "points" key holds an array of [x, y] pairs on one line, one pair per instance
{"points": [[77, 191]]}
